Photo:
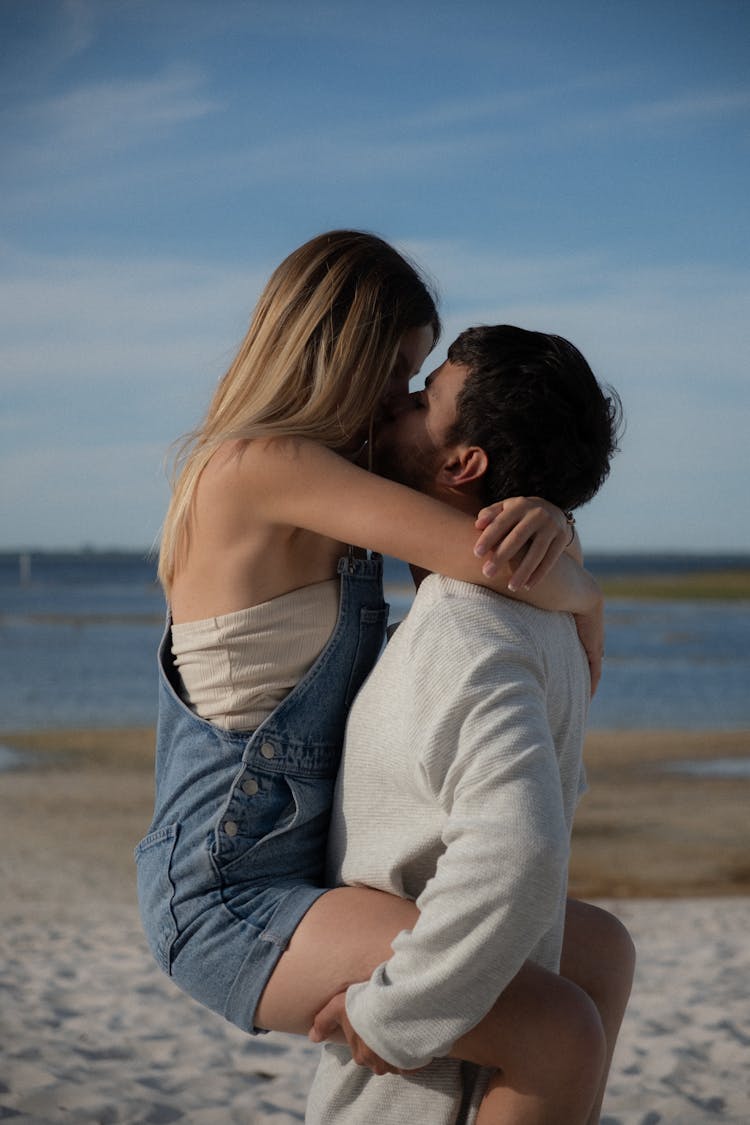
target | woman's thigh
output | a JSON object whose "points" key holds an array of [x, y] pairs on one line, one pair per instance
{"points": [[344, 935]]}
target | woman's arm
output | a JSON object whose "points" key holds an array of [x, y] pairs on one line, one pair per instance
{"points": [[303, 484], [508, 526]]}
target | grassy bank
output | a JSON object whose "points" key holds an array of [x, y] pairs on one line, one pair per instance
{"points": [[720, 585]]}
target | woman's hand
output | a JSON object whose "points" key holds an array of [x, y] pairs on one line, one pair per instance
{"points": [[590, 628], [332, 1025], [528, 527]]}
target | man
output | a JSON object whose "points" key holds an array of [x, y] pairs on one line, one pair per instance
{"points": [[462, 765]]}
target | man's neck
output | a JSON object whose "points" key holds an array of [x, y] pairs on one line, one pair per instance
{"points": [[462, 499], [419, 575]]}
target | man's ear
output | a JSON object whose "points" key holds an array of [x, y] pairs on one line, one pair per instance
{"points": [[465, 465]]}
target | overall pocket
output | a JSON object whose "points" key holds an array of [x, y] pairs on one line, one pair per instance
{"points": [[260, 806], [153, 858], [276, 834]]}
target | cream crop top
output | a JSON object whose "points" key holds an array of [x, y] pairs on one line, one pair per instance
{"points": [[237, 668]]}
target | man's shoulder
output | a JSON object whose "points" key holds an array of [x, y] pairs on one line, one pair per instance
{"points": [[464, 614], [438, 591], [449, 597], [443, 603], [452, 615]]}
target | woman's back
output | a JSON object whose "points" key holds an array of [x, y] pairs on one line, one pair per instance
{"points": [[238, 555]]}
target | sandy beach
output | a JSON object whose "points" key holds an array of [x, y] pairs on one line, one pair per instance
{"points": [[91, 1031]]}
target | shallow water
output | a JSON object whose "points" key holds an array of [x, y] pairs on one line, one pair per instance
{"points": [[717, 768], [78, 643]]}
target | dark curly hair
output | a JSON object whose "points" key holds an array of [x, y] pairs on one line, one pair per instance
{"points": [[533, 404]]}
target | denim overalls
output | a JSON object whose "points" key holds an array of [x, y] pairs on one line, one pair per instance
{"points": [[235, 854]]}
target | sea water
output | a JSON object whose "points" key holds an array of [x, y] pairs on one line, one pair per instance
{"points": [[79, 633]]}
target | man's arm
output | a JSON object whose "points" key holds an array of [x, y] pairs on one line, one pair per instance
{"points": [[499, 883]]}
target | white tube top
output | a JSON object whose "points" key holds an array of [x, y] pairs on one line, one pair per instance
{"points": [[237, 668]]}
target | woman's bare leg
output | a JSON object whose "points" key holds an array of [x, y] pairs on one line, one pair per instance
{"points": [[544, 1032], [599, 955], [341, 939], [546, 1036]]}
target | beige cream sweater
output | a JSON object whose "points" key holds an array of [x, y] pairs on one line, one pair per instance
{"points": [[461, 774]]}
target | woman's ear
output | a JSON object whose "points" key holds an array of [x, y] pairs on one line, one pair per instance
{"points": [[463, 466]]}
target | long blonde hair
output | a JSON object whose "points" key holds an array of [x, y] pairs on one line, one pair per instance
{"points": [[315, 362]]}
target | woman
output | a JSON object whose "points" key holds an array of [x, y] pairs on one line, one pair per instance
{"points": [[276, 618]]}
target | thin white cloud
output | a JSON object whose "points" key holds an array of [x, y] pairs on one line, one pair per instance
{"points": [[457, 133], [101, 320], [687, 107], [57, 174], [688, 325], [532, 119], [111, 116], [658, 115], [512, 104], [95, 321]]}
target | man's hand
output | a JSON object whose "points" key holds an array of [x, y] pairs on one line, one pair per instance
{"points": [[332, 1025], [522, 524]]}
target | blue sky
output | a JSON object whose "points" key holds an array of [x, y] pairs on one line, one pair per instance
{"points": [[576, 167]]}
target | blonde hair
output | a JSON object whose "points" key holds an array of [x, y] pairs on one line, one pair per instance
{"points": [[315, 362]]}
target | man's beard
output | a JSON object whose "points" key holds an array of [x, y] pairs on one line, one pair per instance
{"points": [[412, 467]]}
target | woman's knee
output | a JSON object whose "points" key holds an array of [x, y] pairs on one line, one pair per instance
{"points": [[598, 951], [608, 932], [540, 1015], [557, 1040], [622, 953]]}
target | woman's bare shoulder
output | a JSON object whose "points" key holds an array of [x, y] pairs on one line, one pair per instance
{"points": [[244, 546], [261, 483], [264, 457]]}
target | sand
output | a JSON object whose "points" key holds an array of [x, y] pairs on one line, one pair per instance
{"points": [[91, 1031]]}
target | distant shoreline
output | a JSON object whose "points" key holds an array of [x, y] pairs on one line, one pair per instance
{"points": [[717, 586], [710, 585], [664, 576], [713, 585]]}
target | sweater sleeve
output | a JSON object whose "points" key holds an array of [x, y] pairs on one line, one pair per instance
{"points": [[486, 752]]}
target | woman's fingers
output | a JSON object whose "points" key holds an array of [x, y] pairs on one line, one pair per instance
{"points": [[529, 532]]}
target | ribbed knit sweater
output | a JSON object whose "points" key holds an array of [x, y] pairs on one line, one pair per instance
{"points": [[460, 777]]}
